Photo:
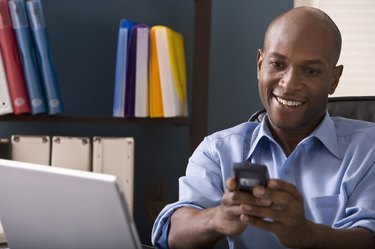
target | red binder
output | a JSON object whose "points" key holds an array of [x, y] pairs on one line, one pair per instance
{"points": [[12, 64]]}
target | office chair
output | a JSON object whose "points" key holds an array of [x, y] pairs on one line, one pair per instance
{"points": [[356, 107]]}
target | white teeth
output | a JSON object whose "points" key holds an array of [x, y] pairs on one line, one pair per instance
{"points": [[288, 102]]}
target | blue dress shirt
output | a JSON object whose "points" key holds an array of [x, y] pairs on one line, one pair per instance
{"points": [[333, 168]]}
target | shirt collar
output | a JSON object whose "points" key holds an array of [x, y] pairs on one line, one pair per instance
{"points": [[325, 133]]}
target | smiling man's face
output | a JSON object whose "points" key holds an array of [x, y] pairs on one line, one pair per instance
{"points": [[297, 72]]}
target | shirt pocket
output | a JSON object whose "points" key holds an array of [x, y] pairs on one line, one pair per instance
{"points": [[324, 208]]}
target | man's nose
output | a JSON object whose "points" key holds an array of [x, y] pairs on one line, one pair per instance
{"points": [[290, 80]]}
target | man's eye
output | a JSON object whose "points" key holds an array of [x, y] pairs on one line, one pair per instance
{"points": [[277, 65], [312, 71]]}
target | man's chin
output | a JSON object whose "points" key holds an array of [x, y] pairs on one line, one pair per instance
{"points": [[288, 124]]}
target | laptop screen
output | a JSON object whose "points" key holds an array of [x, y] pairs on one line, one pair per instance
{"points": [[50, 207]]}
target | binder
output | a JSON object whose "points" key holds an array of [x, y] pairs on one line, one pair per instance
{"points": [[5, 99], [71, 152], [130, 75], [136, 98], [12, 64], [121, 68], [47, 67], [169, 45], [142, 33], [178, 64], [4, 148], [31, 148], [27, 55], [115, 156], [155, 98]]}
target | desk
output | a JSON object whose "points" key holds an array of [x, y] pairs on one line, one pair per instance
{"points": [[5, 246]]}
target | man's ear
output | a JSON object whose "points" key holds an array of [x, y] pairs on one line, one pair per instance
{"points": [[259, 64], [337, 72]]}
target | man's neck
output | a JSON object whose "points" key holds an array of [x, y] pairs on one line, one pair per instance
{"points": [[287, 141]]}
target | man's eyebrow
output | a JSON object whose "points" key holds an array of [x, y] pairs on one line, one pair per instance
{"points": [[277, 55], [308, 61], [314, 61]]}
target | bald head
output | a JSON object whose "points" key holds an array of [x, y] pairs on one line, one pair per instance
{"points": [[306, 22]]}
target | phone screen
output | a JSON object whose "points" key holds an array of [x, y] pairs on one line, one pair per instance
{"points": [[248, 175]]}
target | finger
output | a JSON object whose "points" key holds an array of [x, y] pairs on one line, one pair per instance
{"points": [[237, 198], [231, 184], [283, 186], [274, 214], [230, 199], [261, 191], [246, 197], [231, 205], [234, 211], [262, 196], [261, 223], [283, 200], [280, 193]]}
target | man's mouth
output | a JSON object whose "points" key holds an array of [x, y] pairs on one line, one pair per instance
{"points": [[288, 103]]}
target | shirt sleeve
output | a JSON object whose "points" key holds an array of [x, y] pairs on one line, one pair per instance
{"points": [[162, 241], [160, 230], [201, 187], [360, 206]]}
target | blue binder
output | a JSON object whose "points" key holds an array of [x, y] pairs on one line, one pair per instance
{"points": [[44, 55], [27, 56], [121, 67]]}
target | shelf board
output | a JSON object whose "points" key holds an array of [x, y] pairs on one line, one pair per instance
{"points": [[178, 121]]}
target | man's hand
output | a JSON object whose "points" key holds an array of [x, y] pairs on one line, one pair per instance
{"points": [[284, 215], [229, 215], [209, 225]]}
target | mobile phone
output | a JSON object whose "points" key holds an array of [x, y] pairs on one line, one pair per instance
{"points": [[248, 175]]}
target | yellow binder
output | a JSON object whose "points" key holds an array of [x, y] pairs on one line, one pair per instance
{"points": [[170, 63]]}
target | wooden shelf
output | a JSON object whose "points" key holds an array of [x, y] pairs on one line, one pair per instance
{"points": [[178, 121], [201, 68]]}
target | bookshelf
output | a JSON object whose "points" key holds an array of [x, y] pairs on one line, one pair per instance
{"points": [[99, 120], [197, 122], [194, 127]]}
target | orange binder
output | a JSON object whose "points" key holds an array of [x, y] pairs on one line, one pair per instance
{"points": [[156, 102]]}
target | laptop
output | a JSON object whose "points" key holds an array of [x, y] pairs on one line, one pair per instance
{"points": [[44, 207]]}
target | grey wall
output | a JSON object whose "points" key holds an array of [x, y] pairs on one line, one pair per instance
{"points": [[83, 36], [237, 33]]}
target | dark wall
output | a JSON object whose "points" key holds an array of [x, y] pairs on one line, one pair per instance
{"points": [[83, 36], [237, 33]]}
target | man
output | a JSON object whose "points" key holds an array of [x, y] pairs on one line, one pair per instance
{"points": [[322, 169]]}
